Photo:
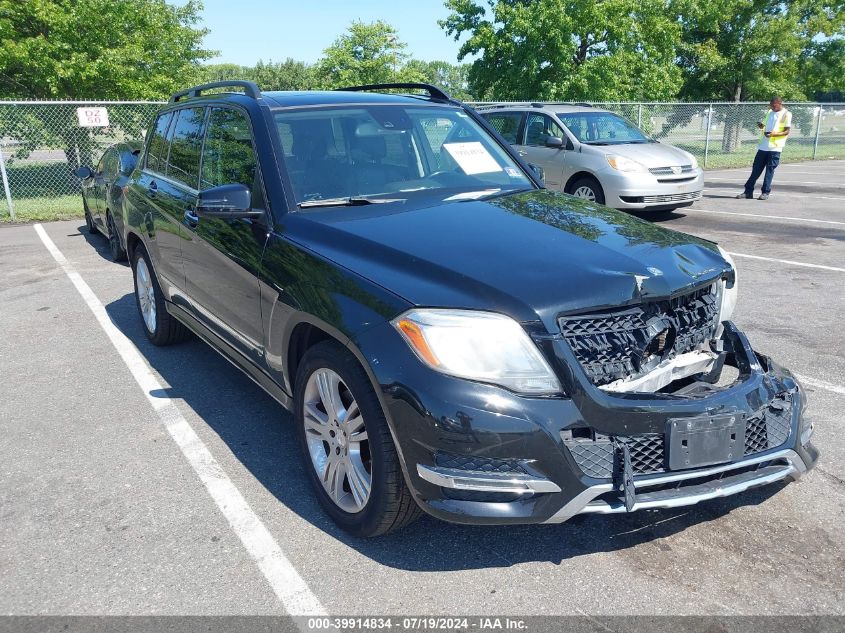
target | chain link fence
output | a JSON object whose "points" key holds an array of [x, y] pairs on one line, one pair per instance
{"points": [[41, 143]]}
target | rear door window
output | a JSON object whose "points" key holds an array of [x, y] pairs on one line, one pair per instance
{"points": [[159, 144], [183, 165], [506, 124]]}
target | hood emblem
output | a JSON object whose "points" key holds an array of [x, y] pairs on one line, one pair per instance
{"points": [[654, 271], [677, 170]]}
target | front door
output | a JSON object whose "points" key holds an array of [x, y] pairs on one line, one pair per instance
{"points": [[222, 257], [539, 127]]}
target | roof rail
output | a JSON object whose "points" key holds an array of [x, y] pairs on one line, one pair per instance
{"points": [[250, 89], [433, 91], [583, 104]]}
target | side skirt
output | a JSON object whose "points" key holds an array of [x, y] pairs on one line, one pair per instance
{"points": [[226, 351]]}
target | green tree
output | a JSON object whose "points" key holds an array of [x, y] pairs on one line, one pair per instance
{"points": [[86, 49], [287, 75], [365, 54], [568, 49], [749, 50], [453, 78]]}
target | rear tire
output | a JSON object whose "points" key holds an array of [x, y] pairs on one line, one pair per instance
{"points": [[588, 188], [375, 500], [118, 253], [159, 326]]}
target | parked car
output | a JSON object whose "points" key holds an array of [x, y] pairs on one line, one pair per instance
{"points": [[449, 335], [103, 189], [598, 155]]}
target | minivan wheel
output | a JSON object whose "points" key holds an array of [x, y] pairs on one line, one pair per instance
{"points": [[347, 448], [115, 247], [160, 327], [588, 189]]}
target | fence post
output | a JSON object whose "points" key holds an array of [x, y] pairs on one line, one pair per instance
{"points": [[707, 133], [640, 115], [6, 184], [818, 127]]}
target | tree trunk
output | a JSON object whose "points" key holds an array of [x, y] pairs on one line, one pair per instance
{"points": [[733, 124]]}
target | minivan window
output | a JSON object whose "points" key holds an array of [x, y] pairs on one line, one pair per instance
{"points": [[391, 150], [183, 165], [157, 151], [539, 127], [506, 124], [602, 128], [228, 156]]}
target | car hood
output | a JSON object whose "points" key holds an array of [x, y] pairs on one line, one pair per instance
{"points": [[648, 154], [529, 255]]}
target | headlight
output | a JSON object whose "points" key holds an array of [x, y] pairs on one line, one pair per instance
{"points": [[621, 163], [482, 346], [729, 295], [693, 161]]}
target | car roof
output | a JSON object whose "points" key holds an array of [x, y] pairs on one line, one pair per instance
{"points": [[339, 97], [548, 108]]}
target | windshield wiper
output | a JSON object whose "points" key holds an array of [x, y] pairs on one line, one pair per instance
{"points": [[595, 143], [349, 201]]}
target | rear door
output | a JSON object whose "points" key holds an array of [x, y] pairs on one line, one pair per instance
{"points": [[539, 127], [222, 257], [152, 193]]}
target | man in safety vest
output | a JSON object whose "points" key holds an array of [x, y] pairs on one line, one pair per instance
{"points": [[775, 130]]}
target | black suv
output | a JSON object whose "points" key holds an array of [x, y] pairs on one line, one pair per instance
{"points": [[449, 335]]}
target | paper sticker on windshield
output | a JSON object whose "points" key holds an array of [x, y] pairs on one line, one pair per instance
{"points": [[513, 173], [472, 157]]}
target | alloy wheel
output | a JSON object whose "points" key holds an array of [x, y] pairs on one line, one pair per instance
{"points": [[337, 440], [146, 294], [585, 192]]}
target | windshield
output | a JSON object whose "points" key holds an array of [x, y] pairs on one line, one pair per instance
{"points": [[602, 128], [352, 154]]}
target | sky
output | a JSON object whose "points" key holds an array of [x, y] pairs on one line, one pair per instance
{"points": [[245, 31]]}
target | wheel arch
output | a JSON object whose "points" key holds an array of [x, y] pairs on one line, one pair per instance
{"points": [[577, 176]]}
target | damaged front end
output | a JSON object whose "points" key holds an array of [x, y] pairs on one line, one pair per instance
{"points": [[676, 405]]}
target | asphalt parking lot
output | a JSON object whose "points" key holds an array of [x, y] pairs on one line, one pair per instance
{"points": [[102, 513]]}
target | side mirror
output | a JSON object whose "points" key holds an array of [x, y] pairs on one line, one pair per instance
{"points": [[83, 172], [554, 141], [226, 201], [538, 171]]}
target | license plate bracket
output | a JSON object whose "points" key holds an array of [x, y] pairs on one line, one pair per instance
{"points": [[705, 440]]}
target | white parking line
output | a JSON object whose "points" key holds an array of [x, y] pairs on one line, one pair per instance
{"points": [[285, 581], [822, 384], [803, 182], [789, 262], [760, 215]]}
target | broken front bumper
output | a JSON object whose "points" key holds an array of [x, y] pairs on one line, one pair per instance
{"points": [[475, 453]]}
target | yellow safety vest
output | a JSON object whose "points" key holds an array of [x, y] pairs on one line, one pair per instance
{"points": [[784, 121]]}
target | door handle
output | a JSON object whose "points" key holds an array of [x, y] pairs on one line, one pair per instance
{"points": [[191, 218]]}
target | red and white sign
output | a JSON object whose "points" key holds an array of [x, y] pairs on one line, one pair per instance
{"points": [[92, 117]]}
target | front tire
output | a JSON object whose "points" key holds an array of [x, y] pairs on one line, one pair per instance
{"points": [[159, 326], [89, 220], [587, 188], [347, 448], [116, 249]]}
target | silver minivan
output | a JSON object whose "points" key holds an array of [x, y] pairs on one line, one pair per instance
{"points": [[598, 155]]}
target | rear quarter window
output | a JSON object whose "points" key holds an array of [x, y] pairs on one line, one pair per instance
{"points": [[159, 145]]}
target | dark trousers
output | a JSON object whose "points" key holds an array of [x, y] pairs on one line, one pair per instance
{"points": [[762, 160]]}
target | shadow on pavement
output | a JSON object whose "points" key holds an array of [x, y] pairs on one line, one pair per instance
{"points": [[98, 242], [260, 434]]}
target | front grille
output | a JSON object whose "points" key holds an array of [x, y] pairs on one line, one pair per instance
{"points": [[673, 197], [768, 427], [595, 456], [478, 463], [671, 171], [616, 344]]}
